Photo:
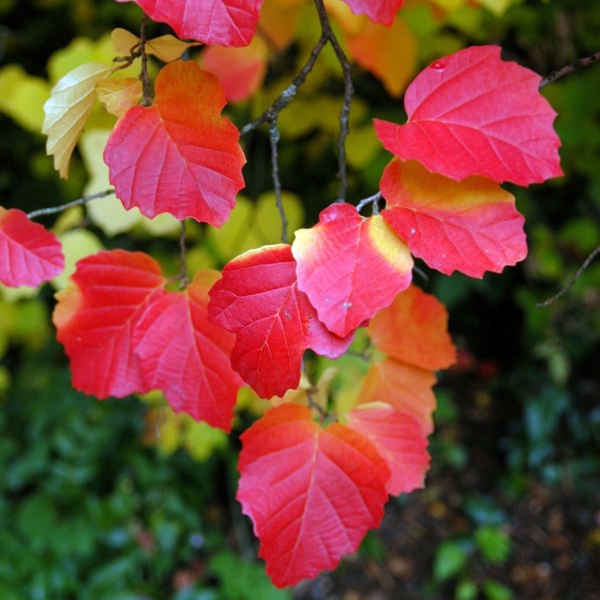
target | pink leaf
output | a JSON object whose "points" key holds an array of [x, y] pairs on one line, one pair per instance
{"points": [[29, 253], [379, 11], [187, 357], [350, 266], [399, 439], [224, 22], [470, 226], [473, 114], [312, 493], [258, 300], [95, 318], [179, 155]]}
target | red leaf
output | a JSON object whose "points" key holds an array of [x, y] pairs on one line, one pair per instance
{"points": [[311, 493], [470, 226], [29, 253], [405, 387], [178, 156], [224, 22], [187, 357], [350, 266], [95, 318], [379, 11], [413, 329], [257, 299], [473, 114], [399, 439]]}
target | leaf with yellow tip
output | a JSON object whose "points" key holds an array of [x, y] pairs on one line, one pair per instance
{"points": [[119, 94]]}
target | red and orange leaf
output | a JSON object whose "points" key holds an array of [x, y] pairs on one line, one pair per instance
{"points": [[350, 266], [400, 441], [95, 318], [240, 71], [379, 11], [258, 300], [471, 226], [311, 493], [473, 114], [187, 357], [414, 329], [224, 22], [405, 387], [29, 253], [178, 156]]}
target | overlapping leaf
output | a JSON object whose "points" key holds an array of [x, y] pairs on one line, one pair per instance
{"points": [[470, 226], [379, 11], [350, 266], [29, 254], [258, 300], [95, 318], [312, 493], [67, 110], [166, 47], [413, 329], [178, 156], [399, 440], [473, 114], [224, 22], [187, 357]]}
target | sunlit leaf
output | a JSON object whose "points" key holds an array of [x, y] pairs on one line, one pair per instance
{"points": [[379, 11], [312, 493], [179, 155], [118, 95]]}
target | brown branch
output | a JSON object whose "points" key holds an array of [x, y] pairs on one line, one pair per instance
{"points": [[56, 209], [348, 93], [584, 266], [144, 75], [570, 68], [183, 276], [274, 140]]}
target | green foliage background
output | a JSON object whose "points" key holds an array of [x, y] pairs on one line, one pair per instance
{"points": [[90, 509]]}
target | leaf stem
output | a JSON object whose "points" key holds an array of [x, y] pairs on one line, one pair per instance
{"points": [[570, 68], [144, 74], [586, 263], [56, 209], [348, 93]]}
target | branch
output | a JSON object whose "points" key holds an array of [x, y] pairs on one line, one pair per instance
{"points": [[579, 273], [348, 92], [144, 75], [183, 277], [574, 66], [56, 209], [274, 140], [375, 198]]}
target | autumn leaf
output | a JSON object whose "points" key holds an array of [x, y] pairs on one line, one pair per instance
{"points": [[350, 266], [66, 111], [413, 329], [399, 440], [29, 253], [379, 11], [405, 387], [96, 315], [223, 22], [471, 113], [119, 94], [258, 300], [165, 47], [470, 226], [311, 493], [178, 156], [187, 357]]}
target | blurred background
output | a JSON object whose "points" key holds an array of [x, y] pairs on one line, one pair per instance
{"points": [[124, 500]]}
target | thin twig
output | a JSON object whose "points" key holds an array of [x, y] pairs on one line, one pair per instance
{"points": [[286, 96], [348, 93], [375, 198], [584, 266], [274, 140], [183, 277], [144, 75], [314, 404], [574, 66], [56, 209]]}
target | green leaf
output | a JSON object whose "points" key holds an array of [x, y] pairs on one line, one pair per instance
{"points": [[466, 590], [450, 559], [494, 590], [493, 543]]}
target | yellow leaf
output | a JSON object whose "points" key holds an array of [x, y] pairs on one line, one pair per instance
{"points": [[123, 41], [118, 95], [498, 7], [168, 48], [278, 21], [201, 440], [67, 110], [22, 97], [449, 5], [77, 244]]}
